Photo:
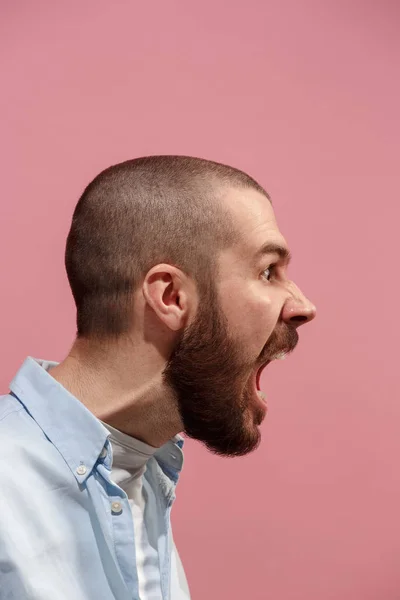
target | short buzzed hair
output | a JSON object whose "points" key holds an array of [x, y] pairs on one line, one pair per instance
{"points": [[140, 213]]}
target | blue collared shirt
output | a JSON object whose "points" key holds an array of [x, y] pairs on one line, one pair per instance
{"points": [[61, 535]]}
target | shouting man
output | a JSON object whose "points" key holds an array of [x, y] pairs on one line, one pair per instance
{"points": [[178, 271]]}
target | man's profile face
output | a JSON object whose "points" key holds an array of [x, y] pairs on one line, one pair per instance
{"points": [[246, 317]]}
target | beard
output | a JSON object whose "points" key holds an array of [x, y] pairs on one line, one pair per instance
{"points": [[211, 380]]}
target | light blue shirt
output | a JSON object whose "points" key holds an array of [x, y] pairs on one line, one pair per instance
{"points": [[66, 530]]}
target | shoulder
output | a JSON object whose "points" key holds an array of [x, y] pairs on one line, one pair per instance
{"points": [[8, 406], [18, 430], [28, 460]]}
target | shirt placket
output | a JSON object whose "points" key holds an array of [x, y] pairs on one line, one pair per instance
{"points": [[124, 539], [119, 515]]}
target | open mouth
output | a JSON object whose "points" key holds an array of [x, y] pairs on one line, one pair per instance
{"points": [[258, 376], [260, 396], [278, 356]]}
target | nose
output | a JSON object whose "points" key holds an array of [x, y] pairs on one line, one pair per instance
{"points": [[297, 309]]}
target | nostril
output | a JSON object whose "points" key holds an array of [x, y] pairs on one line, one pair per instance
{"points": [[299, 319]]}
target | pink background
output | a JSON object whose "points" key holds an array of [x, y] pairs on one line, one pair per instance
{"points": [[305, 95]]}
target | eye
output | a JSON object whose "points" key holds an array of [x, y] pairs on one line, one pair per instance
{"points": [[269, 272]]}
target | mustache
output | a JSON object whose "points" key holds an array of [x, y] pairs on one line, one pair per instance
{"points": [[284, 338]]}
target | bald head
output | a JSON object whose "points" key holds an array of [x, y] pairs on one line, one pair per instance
{"points": [[143, 212]]}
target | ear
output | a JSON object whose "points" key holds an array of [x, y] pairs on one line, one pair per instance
{"points": [[171, 295]]}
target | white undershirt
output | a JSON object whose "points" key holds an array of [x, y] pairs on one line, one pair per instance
{"points": [[130, 457]]}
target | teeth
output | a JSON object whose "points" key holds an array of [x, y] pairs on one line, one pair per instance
{"points": [[262, 395], [280, 356]]}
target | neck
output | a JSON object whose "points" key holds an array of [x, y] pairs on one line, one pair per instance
{"points": [[122, 385]]}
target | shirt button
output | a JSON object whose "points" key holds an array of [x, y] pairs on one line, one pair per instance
{"points": [[103, 453], [81, 470], [116, 507]]}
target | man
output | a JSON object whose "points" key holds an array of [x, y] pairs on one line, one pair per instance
{"points": [[178, 271]]}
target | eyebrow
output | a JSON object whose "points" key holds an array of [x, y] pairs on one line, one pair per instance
{"points": [[283, 252]]}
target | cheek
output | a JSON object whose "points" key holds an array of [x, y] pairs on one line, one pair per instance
{"points": [[262, 321], [252, 317]]}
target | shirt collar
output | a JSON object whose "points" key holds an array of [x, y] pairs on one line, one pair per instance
{"points": [[76, 433]]}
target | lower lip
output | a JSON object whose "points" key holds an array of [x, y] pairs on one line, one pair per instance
{"points": [[258, 399], [261, 400]]}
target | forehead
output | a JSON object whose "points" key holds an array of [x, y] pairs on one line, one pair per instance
{"points": [[254, 218]]}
